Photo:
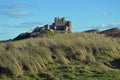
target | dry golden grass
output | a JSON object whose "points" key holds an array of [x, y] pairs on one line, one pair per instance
{"points": [[35, 54]]}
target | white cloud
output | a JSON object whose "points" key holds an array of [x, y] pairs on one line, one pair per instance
{"points": [[103, 25], [107, 26]]}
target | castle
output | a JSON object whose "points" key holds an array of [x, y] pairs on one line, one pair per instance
{"points": [[59, 24]]}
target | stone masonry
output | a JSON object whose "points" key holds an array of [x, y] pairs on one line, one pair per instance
{"points": [[60, 24]]}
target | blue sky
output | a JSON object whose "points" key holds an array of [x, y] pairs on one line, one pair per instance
{"points": [[17, 16]]}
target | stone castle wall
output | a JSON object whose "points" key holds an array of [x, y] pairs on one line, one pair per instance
{"points": [[59, 24]]}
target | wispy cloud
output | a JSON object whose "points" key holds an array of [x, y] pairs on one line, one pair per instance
{"points": [[32, 23], [13, 6], [8, 25], [3, 33], [15, 14], [23, 25], [16, 10], [106, 14]]}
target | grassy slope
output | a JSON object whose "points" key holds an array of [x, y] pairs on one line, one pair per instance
{"points": [[75, 56]]}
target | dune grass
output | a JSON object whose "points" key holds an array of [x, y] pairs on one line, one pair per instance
{"points": [[75, 56]]}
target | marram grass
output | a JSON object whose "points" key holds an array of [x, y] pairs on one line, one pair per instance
{"points": [[49, 54]]}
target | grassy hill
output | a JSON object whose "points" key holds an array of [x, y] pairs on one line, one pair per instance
{"points": [[70, 56]]}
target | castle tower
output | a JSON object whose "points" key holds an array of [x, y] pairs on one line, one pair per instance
{"points": [[63, 21], [59, 21], [69, 26], [62, 24], [47, 27], [55, 20]]}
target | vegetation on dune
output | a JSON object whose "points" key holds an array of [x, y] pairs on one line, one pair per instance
{"points": [[84, 56]]}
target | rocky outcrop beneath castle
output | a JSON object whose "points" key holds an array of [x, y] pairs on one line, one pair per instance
{"points": [[37, 32], [29, 35]]}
